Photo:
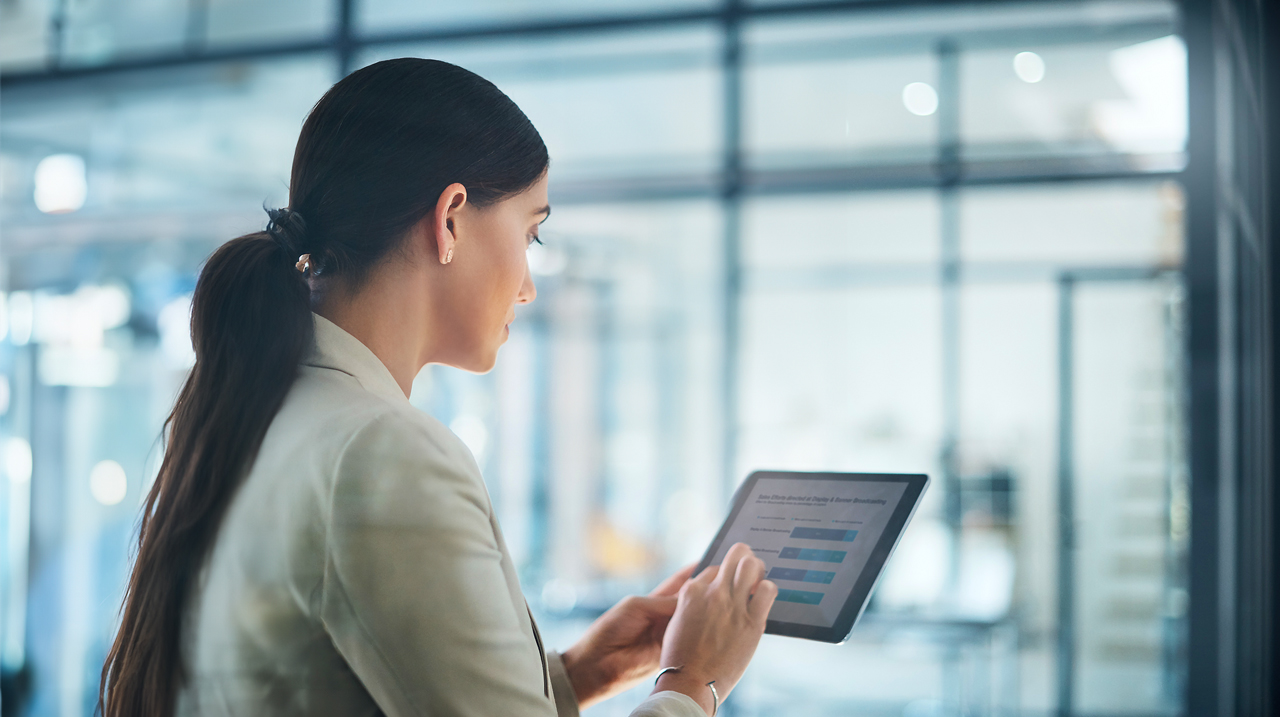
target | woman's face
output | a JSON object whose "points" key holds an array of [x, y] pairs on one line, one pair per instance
{"points": [[487, 276]]}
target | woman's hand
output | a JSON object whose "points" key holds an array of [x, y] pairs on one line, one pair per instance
{"points": [[716, 627], [622, 647]]}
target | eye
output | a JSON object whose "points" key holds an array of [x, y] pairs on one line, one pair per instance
{"points": [[533, 239]]}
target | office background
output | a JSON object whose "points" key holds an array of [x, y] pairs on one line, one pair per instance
{"points": [[871, 236]]}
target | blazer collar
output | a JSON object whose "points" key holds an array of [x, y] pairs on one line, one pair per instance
{"points": [[336, 349]]}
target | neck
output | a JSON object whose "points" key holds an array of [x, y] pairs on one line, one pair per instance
{"points": [[388, 316]]}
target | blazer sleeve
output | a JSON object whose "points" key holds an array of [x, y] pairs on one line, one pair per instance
{"points": [[414, 596]]}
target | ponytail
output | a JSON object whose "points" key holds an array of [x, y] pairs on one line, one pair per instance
{"points": [[373, 157], [250, 324]]}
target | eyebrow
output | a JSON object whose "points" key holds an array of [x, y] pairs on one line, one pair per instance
{"points": [[545, 210]]}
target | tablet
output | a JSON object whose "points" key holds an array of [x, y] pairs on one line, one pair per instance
{"points": [[824, 539]]}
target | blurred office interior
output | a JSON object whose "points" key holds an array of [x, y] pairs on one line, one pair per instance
{"points": [[951, 238]]}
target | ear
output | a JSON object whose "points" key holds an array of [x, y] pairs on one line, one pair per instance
{"points": [[452, 199]]}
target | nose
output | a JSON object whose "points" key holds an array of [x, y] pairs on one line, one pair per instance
{"points": [[528, 292]]}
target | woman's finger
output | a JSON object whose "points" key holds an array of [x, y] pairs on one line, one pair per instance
{"points": [[762, 601], [729, 566], [671, 585], [707, 575], [750, 571]]}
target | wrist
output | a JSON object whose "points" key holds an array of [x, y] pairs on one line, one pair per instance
{"points": [[693, 686], [583, 677]]}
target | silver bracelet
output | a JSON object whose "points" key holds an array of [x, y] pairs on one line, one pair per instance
{"points": [[715, 696]]}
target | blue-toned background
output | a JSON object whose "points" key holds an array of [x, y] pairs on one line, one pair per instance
{"points": [[786, 235]]}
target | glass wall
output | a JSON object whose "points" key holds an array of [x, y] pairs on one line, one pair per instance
{"points": [[943, 240]]}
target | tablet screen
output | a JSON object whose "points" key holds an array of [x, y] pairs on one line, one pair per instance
{"points": [[823, 537]]}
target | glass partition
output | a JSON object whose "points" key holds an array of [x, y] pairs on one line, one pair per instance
{"points": [[794, 236]]}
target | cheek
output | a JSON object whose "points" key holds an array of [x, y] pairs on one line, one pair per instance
{"points": [[504, 280], [513, 273]]}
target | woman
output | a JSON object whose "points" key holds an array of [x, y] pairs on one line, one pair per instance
{"points": [[314, 545]]}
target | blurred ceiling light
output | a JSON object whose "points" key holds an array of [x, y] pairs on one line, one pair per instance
{"points": [[60, 184], [21, 317], [110, 303], [5, 394], [1153, 118], [920, 99], [546, 261], [79, 319], [108, 482], [17, 459], [94, 367], [1028, 66]]}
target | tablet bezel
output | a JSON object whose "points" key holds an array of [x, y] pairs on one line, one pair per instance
{"points": [[858, 597]]}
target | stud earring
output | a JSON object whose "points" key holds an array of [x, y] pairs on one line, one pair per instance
{"points": [[448, 256]]}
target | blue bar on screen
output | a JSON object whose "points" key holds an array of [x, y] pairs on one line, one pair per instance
{"points": [[804, 576], [844, 536], [822, 556], [801, 596]]}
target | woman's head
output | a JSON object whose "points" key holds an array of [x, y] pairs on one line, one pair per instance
{"points": [[382, 145], [399, 162], [409, 159]]}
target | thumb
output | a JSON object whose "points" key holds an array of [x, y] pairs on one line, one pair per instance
{"points": [[762, 601]]}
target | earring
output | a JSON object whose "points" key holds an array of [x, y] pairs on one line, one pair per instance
{"points": [[448, 256]]}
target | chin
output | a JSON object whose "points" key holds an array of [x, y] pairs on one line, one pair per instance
{"points": [[481, 364]]}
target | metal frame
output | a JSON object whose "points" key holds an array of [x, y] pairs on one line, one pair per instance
{"points": [[1233, 283], [1068, 282]]}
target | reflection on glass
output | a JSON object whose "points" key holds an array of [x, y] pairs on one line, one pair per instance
{"points": [[1125, 95], [838, 110]]}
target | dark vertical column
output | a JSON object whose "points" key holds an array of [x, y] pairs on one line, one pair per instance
{"points": [[1269, 31], [344, 44], [57, 31], [731, 199], [1066, 647], [1206, 640], [949, 235], [197, 30], [948, 172]]}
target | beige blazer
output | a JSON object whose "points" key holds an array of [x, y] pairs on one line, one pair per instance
{"points": [[360, 570]]}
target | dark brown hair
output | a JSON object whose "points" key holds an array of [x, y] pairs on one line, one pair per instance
{"points": [[373, 157]]}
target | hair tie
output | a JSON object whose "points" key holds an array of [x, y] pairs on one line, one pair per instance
{"points": [[289, 230]]}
